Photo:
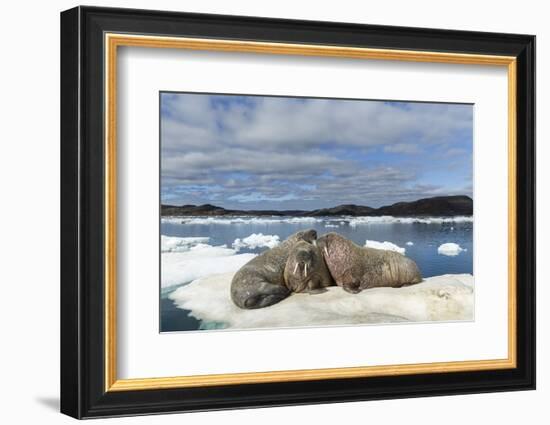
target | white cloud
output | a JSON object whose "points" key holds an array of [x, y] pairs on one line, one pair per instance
{"points": [[406, 148], [290, 151]]}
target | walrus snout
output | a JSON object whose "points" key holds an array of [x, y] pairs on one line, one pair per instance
{"points": [[301, 268], [303, 259]]}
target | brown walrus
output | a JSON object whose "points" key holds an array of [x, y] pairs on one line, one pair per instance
{"points": [[305, 269], [355, 268], [260, 282]]}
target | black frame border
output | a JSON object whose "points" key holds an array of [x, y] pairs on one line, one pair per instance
{"points": [[82, 205]]}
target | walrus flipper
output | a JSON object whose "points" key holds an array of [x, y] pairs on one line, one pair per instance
{"points": [[264, 295], [316, 291], [352, 288]]}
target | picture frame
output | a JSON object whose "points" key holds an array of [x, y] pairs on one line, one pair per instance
{"points": [[90, 40]]}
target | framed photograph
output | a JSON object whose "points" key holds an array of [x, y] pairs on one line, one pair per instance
{"points": [[261, 212]]}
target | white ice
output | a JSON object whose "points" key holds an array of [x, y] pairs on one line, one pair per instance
{"points": [[410, 243], [388, 246], [178, 244], [357, 221], [450, 249], [331, 225], [256, 240], [199, 261], [439, 298], [241, 220]]}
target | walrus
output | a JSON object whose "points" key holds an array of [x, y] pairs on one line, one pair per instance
{"points": [[355, 268], [260, 282], [305, 269]]}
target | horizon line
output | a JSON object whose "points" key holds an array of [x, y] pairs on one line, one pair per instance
{"points": [[308, 210]]}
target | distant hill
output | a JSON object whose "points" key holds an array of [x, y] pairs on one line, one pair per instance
{"points": [[437, 206], [348, 209], [212, 210]]}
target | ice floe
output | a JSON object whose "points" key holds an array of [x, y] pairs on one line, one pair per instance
{"points": [[388, 246], [328, 221], [439, 298], [409, 243], [358, 221], [199, 261], [450, 249], [240, 220], [256, 240], [179, 244]]}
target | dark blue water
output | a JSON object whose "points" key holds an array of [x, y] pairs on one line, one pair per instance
{"points": [[426, 238]]}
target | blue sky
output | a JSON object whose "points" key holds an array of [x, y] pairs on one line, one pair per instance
{"points": [[261, 152]]}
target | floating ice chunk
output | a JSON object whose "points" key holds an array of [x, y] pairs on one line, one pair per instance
{"points": [[439, 298], [331, 225], [410, 243], [450, 249], [194, 220], [301, 220], [177, 244], [387, 219], [388, 246], [199, 261], [353, 221], [256, 240], [171, 219]]}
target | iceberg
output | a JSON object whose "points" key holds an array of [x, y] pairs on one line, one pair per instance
{"points": [[450, 249], [256, 240], [388, 246], [439, 298]]}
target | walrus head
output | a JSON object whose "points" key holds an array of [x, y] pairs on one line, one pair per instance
{"points": [[309, 235], [336, 251], [299, 269], [324, 243]]}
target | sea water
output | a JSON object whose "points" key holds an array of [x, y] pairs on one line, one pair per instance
{"points": [[215, 244]]}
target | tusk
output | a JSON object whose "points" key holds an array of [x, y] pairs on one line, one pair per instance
{"points": [[305, 272], [326, 251], [295, 267], [314, 242]]}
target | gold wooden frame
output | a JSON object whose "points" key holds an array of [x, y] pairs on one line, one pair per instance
{"points": [[113, 41]]}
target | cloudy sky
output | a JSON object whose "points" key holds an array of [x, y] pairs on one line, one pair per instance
{"points": [[258, 152]]}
